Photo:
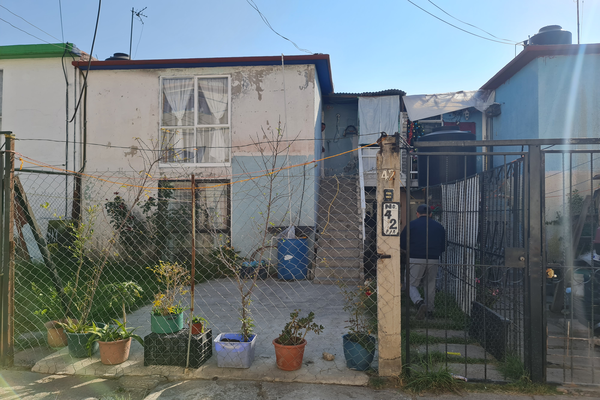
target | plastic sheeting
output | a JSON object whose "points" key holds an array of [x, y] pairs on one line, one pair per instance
{"points": [[428, 105], [378, 114]]}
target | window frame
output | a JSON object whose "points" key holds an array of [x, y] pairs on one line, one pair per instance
{"points": [[195, 78]]}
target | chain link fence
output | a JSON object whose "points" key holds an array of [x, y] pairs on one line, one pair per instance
{"points": [[275, 254]]}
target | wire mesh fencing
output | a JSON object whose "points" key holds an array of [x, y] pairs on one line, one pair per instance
{"points": [[262, 268]]}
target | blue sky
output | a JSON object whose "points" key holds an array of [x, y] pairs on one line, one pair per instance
{"points": [[374, 45]]}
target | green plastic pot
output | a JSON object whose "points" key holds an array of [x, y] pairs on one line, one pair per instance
{"points": [[166, 323]]}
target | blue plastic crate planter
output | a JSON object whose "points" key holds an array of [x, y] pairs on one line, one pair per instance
{"points": [[171, 348], [234, 354]]}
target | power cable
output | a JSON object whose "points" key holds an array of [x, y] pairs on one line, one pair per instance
{"points": [[89, 63], [266, 21], [466, 23], [32, 35], [40, 29], [454, 26]]}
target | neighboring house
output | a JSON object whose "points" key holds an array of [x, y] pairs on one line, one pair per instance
{"points": [[39, 90], [204, 116]]}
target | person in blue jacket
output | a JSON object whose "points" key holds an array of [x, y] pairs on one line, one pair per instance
{"points": [[427, 243]]}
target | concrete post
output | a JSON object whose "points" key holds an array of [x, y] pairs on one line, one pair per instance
{"points": [[388, 264]]}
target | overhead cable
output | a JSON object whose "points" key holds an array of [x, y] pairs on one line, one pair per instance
{"points": [[266, 21], [466, 23], [39, 29], [460, 29], [87, 72]]}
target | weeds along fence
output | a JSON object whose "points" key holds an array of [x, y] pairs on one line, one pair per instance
{"points": [[261, 241]]}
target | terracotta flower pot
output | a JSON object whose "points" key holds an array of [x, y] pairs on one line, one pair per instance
{"points": [[197, 328], [289, 358], [56, 334], [117, 352]]}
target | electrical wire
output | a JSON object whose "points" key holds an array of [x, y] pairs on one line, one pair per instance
{"points": [[139, 40], [23, 158], [179, 148], [466, 23], [39, 29], [266, 21], [89, 63], [32, 35], [460, 29]]}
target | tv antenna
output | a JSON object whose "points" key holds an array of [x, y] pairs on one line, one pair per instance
{"points": [[139, 15]]}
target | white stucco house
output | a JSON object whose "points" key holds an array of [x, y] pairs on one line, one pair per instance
{"points": [[39, 91], [211, 118]]}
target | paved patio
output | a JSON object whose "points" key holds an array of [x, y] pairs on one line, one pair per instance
{"points": [[217, 301]]}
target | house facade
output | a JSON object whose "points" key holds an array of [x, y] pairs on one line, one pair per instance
{"points": [[214, 119]]}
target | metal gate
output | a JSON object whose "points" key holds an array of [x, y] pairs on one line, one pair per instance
{"points": [[477, 326], [572, 290], [517, 291]]}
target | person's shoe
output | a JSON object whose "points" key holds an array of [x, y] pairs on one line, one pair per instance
{"points": [[421, 310]]}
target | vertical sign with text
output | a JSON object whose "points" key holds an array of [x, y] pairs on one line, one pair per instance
{"points": [[390, 223]]}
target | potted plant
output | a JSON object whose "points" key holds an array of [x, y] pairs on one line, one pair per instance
{"points": [[114, 342], [50, 309], [78, 336], [167, 312], [197, 325], [289, 346], [359, 345]]}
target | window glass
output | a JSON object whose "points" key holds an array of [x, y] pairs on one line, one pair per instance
{"points": [[195, 120]]}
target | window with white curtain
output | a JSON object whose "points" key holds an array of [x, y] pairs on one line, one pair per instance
{"points": [[195, 120]]}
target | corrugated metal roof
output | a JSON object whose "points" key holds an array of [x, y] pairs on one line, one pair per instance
{"points": [[387, 92]]}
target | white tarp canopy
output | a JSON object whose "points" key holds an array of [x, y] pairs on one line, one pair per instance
{"points": [[378, 114], [429, 105]]}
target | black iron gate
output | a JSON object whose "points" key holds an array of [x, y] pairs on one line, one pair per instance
{"points": [[518, 288], [477, 327]]}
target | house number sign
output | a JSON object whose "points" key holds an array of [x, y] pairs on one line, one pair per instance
{"points": [[390, 221]]}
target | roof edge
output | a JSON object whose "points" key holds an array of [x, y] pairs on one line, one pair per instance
{"points": [[321, 62], [49, 50], [534, 51]]}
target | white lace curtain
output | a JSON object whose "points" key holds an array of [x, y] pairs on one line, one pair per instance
{"points": [[216, 95], [178, 93]]}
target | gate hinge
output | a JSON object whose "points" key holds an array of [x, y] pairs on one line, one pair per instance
{"points": [[383, 255]]}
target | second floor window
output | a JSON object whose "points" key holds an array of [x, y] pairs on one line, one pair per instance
{"points": [[195, 120]]}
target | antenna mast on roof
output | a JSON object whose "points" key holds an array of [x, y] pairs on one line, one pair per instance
{"points": [[139, 15]]}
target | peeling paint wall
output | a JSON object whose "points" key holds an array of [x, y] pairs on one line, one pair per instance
{"points": [[124, 109], [125, 104]]}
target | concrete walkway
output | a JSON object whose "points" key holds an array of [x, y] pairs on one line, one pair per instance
{"points": [[24, 385]]}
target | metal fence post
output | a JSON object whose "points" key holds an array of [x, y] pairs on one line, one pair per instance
{"points": [[388, 264], [8, 271], [535, 310]]}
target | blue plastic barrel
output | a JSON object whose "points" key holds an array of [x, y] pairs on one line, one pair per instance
{"points": [[292, 259]]}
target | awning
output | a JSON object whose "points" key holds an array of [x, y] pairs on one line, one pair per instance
{"points": [[429, 105]]}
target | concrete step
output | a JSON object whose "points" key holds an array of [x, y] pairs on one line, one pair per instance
{"points": [[338, 202], [346, 214], [336, 273], [338, 261], [339, 252], [330, 241], [333, 230]]}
